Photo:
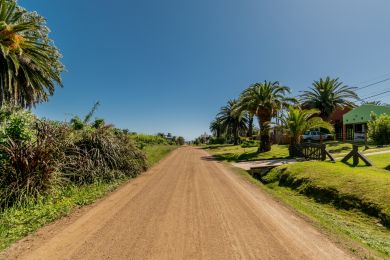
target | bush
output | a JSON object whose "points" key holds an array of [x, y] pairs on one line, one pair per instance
{"points": [[217, 140], [143, 139], [17, 124], [250, 143], [36, 156], [379, 129], [30, 168], [102, 154]]}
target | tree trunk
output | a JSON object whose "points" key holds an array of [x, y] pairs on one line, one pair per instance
{"points": [[265, 142], [249, 133], [235, 136]]}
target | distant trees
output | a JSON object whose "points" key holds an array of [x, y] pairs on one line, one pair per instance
{"points": [[233, 121], [30, 66]]}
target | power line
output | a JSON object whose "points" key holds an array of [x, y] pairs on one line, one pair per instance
{"points": [[388, 91], [370, 80], [373, 84]]}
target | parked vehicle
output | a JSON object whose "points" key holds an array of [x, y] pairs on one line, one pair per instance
{"points": [[316, 136]]}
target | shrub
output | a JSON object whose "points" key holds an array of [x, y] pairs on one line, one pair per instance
{"points": [[250, 143], [379, 129], [102, 154], [143, 139], [216, 140], [30, 168], [17, 124]]}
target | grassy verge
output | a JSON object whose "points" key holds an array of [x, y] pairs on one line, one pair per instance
{"points": [[237, 153], [21, 220], [342, 225], [353, 202], [155, 153]]}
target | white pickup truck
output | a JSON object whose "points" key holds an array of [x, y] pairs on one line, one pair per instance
{"points": [[316, 136]]}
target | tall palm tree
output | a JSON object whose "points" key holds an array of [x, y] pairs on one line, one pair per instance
{"points": [[298, 121], [216, 127], [30, 64], [327, 95], [264, 100], [232, 122]]}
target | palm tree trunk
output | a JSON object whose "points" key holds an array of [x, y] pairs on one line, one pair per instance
{"points": [[249, 133], [265, 142], [235, 135]]}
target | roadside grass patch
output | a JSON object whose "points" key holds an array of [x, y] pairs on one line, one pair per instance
{"points": [[238, 153], [341, 224], [155, 153], [21, 220], [233, 153], [364, 188]]}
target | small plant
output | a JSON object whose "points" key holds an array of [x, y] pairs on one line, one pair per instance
{"points": [[250, 143]]}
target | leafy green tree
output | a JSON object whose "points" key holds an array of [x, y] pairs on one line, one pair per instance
{"points": [[327, 95], [297, 121], [30, 66], [216, 127], [233, 122], [180, 140], [264, 100], [379, 129]]}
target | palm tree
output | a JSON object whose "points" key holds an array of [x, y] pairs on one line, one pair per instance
{"points": [[264, 100], [232, 122], [216, 127], [327, 95], [30, 64], [298, 121]]}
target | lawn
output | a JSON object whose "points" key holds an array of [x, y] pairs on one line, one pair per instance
{"points": [[350, 201], [342, 225], [363, 188], [380, 160], [155, 153], [237, 153]]}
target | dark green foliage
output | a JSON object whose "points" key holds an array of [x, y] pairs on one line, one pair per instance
{"points": [[30, 168], [250, 143], [379, 129], [102, 154], [37, 156]]}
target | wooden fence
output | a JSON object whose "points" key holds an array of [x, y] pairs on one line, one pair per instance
{"points": [[310, 151]]}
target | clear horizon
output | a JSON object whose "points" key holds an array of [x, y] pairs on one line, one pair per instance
{"points": [[168, 66]]}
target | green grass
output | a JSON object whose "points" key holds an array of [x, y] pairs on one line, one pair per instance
{"points": [[381, 160], [155, 153], [342, 225], [18, 221], [237, 153], [363, 188]]}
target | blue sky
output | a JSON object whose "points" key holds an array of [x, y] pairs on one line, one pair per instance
{"points": [[167, 66]]}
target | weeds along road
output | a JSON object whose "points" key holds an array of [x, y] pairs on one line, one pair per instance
{"points": [[186, 207]]}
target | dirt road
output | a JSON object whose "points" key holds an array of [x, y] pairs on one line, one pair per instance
{"points": [[187, 207]]}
